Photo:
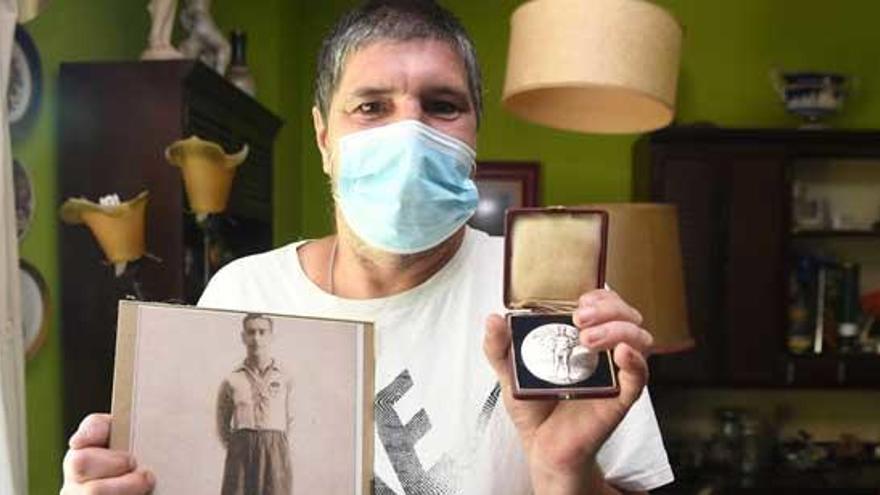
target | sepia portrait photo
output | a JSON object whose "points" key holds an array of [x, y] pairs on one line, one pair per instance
{"points": [[235, 403]]}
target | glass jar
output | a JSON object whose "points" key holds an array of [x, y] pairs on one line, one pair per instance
{"points": [[725, 447]]}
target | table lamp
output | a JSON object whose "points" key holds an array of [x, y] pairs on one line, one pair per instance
{"points": [[597, 66], [644, 266]]}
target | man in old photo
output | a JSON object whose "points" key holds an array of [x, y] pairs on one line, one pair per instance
{"points": [[254, 414], [398, 101]]}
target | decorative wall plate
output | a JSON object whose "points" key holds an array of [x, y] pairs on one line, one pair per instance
{"points": [[25, 199], [34, 308], [25, 81]]}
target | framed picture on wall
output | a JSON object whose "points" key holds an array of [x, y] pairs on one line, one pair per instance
{"points": [[503, 185]]}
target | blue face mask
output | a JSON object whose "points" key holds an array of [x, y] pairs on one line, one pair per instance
{"points": [[405, 187]]}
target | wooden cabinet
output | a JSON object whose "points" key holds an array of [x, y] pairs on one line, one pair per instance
{"points": [[733, 192], [115, 120]]}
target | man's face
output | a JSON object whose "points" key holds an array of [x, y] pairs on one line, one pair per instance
{"points": [[257, 335], [388, 81]]}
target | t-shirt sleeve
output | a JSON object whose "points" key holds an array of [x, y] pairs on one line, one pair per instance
{"points": [[633, 457]]}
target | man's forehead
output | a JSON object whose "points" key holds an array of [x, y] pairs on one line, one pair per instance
{"points": [[388, 63], [257, 323]]}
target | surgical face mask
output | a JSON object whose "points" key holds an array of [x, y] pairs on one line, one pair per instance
{"points": [[405, 187]]}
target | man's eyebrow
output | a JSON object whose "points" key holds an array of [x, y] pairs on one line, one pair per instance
{"points": [[368, 91], [449, 91], [446, 90], [440, 90]]}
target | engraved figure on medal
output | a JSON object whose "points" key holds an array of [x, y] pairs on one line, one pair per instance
{"points": [[553, 353]]}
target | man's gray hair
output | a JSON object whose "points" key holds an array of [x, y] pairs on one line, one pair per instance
{"points": [[396, 20]]}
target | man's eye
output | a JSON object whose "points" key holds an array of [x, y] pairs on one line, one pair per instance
{"points": [[370, 108], [442, 108]]}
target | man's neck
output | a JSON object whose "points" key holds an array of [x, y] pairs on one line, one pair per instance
{"points": [[359, 272], [259, 361]]}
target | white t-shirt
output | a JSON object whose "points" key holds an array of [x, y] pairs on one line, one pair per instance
{"points": [[440, 425]]}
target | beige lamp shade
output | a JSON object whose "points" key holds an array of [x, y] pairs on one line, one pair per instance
{"points": [[207, 171], [29, 9], [119, 228], [598, 66], [644, 266]]}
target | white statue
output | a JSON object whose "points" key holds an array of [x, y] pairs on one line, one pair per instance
{"points": [[159, 44], [204, 40]]}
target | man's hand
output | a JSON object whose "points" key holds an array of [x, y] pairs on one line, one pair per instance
{"points": [[561, 438], [91, 468]]}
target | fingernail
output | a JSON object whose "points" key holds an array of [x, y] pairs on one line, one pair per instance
{"points": [[586, 315], [151, 479], [78, 435], [596, 335], [132, 463]]}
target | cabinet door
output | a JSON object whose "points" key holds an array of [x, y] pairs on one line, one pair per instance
{"points": [[732, 221], [694, 182], [753, 270]]}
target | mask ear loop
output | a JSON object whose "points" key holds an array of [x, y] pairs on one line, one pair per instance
{"points": [[332, 263]]}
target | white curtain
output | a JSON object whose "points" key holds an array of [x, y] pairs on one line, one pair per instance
{"points": [[13, 437]]}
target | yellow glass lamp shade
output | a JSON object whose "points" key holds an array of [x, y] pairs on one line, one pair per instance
{"points": [[598, 66], [119, 228], [207, 171]]}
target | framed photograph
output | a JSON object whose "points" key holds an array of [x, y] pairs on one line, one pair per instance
{"points": [[503, 185], [239, 403]]}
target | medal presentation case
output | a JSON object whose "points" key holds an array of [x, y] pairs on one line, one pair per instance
{"points": [[552, 257]]}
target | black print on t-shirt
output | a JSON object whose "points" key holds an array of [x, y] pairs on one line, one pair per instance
{"points": [[400, 439]]}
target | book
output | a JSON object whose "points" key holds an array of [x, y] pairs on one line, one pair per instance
{"points": [[197, 392]]}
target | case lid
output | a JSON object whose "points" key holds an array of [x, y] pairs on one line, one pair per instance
{"points": [[552, 256]]}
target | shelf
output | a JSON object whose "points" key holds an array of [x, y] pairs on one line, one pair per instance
{"points": [[834, 357], [831, 234], [830, 370]]}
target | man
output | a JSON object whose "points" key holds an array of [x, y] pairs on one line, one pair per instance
{"points": [[562, 345], [254, 414], [396, 113]]}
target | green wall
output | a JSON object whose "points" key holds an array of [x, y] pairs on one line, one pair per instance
{"points": [[274, 58], [729, 48]]}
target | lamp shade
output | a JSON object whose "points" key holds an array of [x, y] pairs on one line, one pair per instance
{"points": [[207, 171], [118, 228], [644, 266], [600, 66]]}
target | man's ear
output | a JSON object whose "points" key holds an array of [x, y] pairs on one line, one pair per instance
{"points": [[321, 139]]}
